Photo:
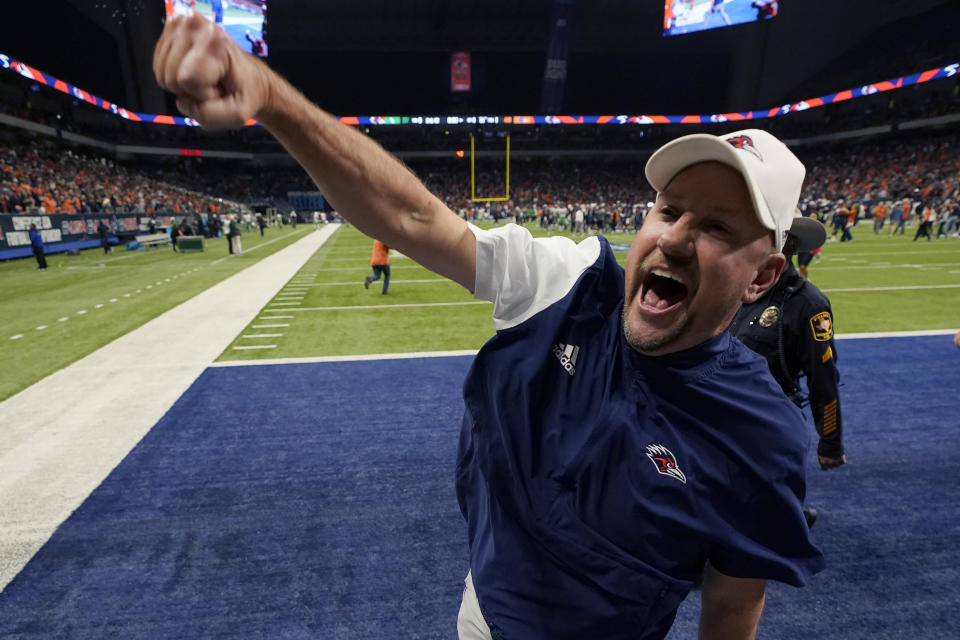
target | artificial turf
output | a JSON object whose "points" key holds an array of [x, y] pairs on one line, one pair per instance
{"points": [[84, 302], [145, 284], [319, 326]]}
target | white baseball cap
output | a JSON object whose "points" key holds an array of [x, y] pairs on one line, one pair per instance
{"points": [[773, 174]]}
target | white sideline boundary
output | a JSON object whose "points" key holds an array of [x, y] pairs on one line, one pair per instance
{"points": [[896, 334], [473, 352], [61, 437], [356, 358]]}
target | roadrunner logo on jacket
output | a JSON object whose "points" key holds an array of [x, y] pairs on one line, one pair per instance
{"points": [[665, 461]]}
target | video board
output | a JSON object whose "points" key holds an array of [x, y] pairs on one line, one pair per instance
{"points": [[243, 20], [690, 16]]}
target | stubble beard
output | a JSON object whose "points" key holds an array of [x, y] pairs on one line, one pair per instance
{"points": [[653, 345]]}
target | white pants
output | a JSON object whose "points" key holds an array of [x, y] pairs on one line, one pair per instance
{"points": [[237, 247], [470, 622]]}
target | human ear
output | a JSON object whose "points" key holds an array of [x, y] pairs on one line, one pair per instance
{"points": [[767, 275]]}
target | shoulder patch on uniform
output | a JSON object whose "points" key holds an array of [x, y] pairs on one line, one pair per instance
{"points": [[822, 326]]}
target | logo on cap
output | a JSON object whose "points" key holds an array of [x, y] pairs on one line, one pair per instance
{"points": [[665, 461], [745, 143]]}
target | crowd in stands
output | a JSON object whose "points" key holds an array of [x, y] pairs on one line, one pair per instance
{"points": [[37, 178], [886, 181], [885, 177]]}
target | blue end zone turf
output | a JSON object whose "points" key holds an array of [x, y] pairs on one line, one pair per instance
{"points": [[317, 501], [303, 501]]}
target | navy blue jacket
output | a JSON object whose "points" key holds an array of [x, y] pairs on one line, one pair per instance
{"points": [[597, 482]]}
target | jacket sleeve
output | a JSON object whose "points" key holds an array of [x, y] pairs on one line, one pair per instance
{"points": [[818, 360]]}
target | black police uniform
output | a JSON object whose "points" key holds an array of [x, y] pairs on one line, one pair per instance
{"points": [[792, 327]]}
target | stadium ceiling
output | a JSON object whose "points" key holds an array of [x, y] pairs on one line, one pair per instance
{"points": [[618, 57], [522, 25], [433, 25], [619, 62]]}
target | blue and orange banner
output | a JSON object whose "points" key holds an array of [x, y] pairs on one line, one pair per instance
{"points": [[929, 75]]}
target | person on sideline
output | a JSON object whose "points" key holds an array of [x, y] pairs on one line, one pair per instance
{"points": [[234, 236], [104, 232], [229, 234], [617, 442], [380, 261], [36, 245], [261, 223]]}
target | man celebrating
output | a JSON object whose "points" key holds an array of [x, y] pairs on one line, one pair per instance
{"points": [[617, 442]]}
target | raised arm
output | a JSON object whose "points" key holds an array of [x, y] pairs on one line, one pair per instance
{"points": [[220, 86]]}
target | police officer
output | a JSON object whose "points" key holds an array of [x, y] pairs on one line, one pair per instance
{"points": [[792, 327]]}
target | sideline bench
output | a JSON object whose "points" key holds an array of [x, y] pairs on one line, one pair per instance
{"points": [[153, 239]]}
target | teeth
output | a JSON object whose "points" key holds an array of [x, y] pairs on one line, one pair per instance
{"points": [[666, 274]]}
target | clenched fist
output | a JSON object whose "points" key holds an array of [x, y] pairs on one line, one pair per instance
{"points": [[215, 82]]}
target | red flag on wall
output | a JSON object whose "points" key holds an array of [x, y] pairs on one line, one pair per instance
{"points": [[460, 71]]}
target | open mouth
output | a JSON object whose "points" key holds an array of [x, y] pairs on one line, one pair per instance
{"points": [[662, 291]]}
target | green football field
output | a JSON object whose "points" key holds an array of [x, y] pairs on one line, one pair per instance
{"points": [[50, 319], [875, 283], [81, 303]]}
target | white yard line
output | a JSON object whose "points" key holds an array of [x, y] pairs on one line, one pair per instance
{"points": [[831, 256], [269, 242], [935, 265], [257, 336], [268, 326], [372, 356], [367, 268], [361, 307], [903, 288], [896, 334], [62, 436], [254, 346], [354, 283], [361, 260], [473, 352]]}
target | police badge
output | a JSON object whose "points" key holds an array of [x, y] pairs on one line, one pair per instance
{"points": [[769, 316]]}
